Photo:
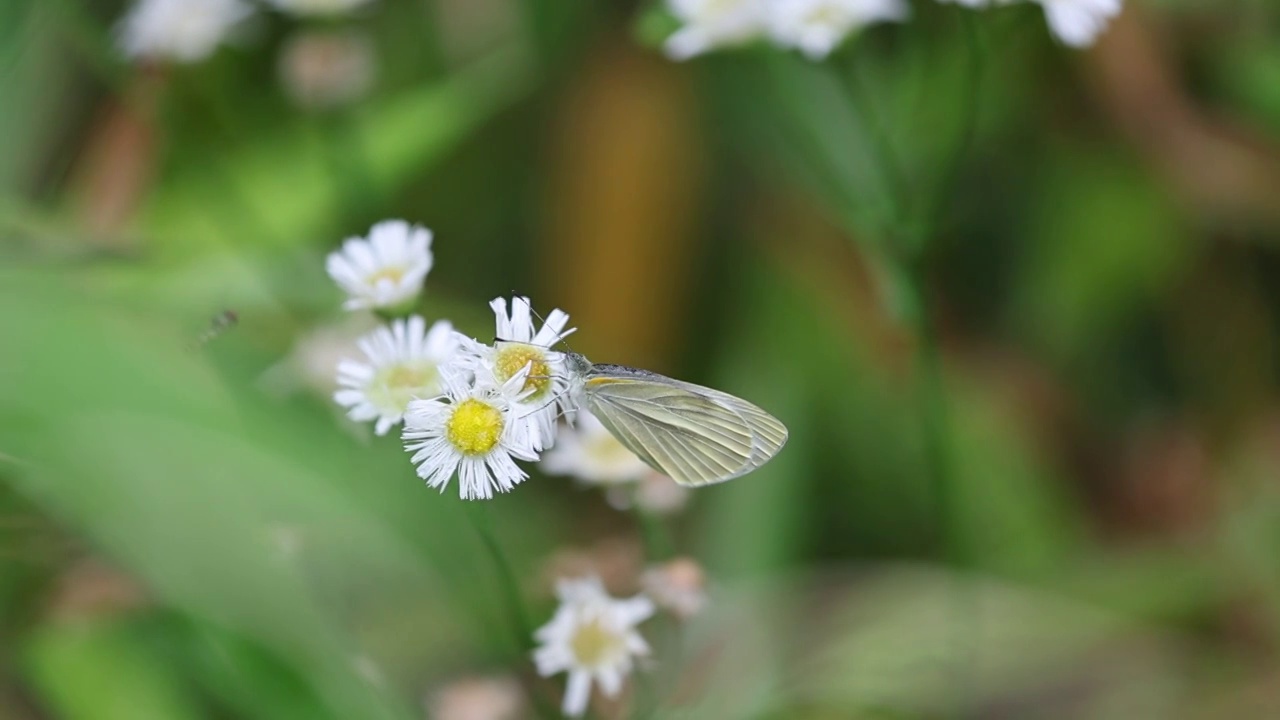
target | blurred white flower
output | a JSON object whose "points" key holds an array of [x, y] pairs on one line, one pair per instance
{"points": [[519, 348], [677, 586], [402, 362], [181, 30], [816, 27], [470, 431], [318, 7], [1074, 22], [709, 24], [480, 698], [326, 69], [589, 452], [655, 493], [1079, 22], [593, 637], [312, 363], [387, 270]]}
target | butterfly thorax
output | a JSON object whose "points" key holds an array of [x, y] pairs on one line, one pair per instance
{"points": [[578, 368]]}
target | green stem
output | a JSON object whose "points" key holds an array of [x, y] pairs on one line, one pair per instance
{"points": [[949, 179], [521, 625], [939, 458], [935, 426], [657, 541]]}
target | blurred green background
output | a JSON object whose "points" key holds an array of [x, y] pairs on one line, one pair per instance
{"points": [[192, 530]]}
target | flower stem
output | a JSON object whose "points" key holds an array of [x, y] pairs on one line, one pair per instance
{"points": [[658, 545], [482, 520], [522, 626]]}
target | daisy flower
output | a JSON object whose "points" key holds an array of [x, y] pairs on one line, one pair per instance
{"points": [[181, 30], [318, 7], [1079, 22], [709, 24], [593, 637], [816, 27], [589, 452], [1074, 22], [402, 362], [519, 348], [470, 430], [385, 271]]}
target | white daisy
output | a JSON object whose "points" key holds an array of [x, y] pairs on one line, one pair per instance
{"points": [[589, 452], [816, 27], [1074, 22], [387, 270], [181, 30], [519, 348], [592, 637], [402, 362], [1079, 22], [471, 430], [312, 363], [709, 24], [318, 7]]}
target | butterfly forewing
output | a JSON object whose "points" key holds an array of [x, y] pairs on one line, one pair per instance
{"points": [[693, 434]]}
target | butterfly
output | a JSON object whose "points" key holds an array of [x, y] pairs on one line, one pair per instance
{"points": [[693, 434]]}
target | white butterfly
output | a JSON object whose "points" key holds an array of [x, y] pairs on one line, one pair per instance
{"points": [[692, 434]]}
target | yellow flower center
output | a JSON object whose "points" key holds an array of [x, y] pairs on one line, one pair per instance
{"points": [[393, 387], [513, 357], [394, 274], [474, 428], [594, 644]]}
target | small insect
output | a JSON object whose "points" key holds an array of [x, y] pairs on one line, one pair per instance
{"points": [[220, 323], [692, 434]]}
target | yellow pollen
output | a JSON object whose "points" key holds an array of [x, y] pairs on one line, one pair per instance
{"points": [[394, 274], [512, 357], [593, 644], [405, 376], [393, 387], [474, 427]]}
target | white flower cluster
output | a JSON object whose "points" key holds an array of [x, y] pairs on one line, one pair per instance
{"points": [[469, 409], [816, 27], [188, 31]]}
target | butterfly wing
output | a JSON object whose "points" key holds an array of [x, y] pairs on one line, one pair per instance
{"points": [[692, 434]]}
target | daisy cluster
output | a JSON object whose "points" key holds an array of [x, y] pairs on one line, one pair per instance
{"points": [[468, 408], [471, 410], [816, 27]]}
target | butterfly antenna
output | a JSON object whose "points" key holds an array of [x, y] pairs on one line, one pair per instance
{"points": [[543, 320]]}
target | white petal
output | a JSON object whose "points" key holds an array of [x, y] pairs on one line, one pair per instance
{"points": [[577, 693]]}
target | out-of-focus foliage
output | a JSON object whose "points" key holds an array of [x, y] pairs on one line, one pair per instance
{"points": [[188, 531]]}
